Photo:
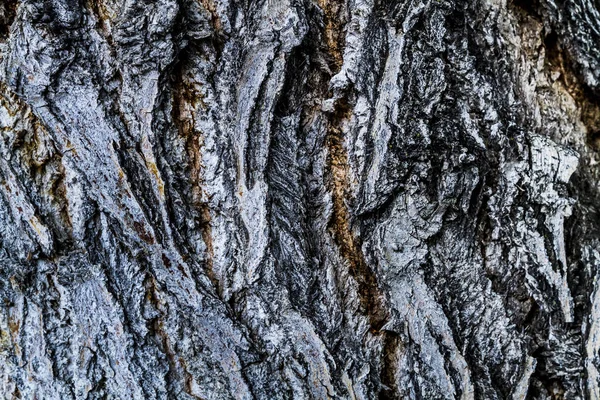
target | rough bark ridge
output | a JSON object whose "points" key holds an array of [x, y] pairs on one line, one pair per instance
{"points": [[307, 199]]}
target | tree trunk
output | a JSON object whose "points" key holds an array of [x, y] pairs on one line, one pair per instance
{"points": [[299, 199]]}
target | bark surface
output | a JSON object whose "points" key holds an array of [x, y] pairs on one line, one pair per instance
{"points": [[299, 199]]}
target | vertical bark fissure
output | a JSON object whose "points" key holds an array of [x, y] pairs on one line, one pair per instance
{"points": [[186, 101], [340, 224]]}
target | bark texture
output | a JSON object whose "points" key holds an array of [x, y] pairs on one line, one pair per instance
{"points": [[299, 199]]}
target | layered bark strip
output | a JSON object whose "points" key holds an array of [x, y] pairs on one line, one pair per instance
{"points": [[299, 199]]}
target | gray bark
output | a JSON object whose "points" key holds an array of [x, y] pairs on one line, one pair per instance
{"points": [[299, 199]]}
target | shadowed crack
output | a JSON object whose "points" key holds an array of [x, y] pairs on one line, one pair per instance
{"points": [[8, 12]]}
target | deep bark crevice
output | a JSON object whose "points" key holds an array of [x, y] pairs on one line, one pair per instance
{"points": [[8, 12]]}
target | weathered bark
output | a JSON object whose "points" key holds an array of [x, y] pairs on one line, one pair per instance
{"points": [[307, 199]]}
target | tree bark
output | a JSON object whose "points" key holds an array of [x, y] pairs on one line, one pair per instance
{"points": [[299, 199]]}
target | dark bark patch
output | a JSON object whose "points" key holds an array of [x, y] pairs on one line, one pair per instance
{"points": [[8, 12], [143, 234], [389, 391], [559, 60], [527, 7]]}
